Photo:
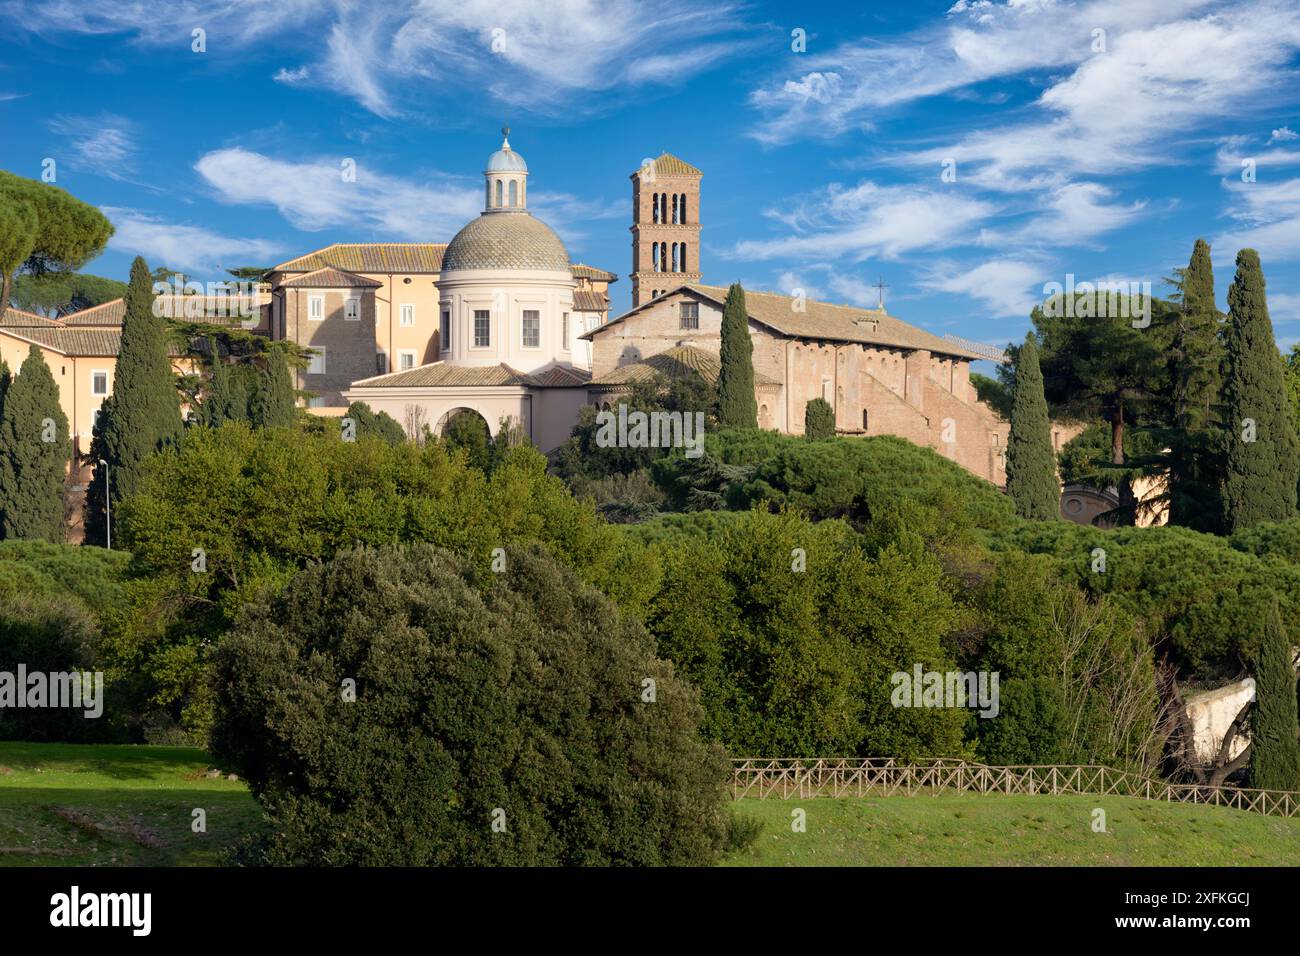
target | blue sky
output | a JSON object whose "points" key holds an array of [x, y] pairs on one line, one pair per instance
{"points": [[1093, 138]]}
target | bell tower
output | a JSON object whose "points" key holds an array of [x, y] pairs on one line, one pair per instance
{"points": [[665, 227]]}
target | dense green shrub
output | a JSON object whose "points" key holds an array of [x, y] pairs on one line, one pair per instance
{"points": [[792, 632], [842, 477], [818, 420], [52, 599], [1076, 676], [1193, 593], [253, 507], [521, 699]]}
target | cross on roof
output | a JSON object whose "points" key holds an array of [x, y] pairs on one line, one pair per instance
{"points": [[880, 288]]}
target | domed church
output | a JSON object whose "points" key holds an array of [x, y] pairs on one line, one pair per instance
{"points": [[511, 308]]}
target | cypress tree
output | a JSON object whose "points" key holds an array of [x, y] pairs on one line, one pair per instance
{"points": [[5, 379], [227, 398], [1196, 361], [1275, 753], [273, 406], [34, 454], [1262, 456], [142, 417], [737, 406], [818, 419], [1031, 464]]}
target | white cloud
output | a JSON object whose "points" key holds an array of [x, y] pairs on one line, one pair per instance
{"points": [[1268, 216], [868, 221], [313, 195], [178, 246], [1283, 134], [1007, 287], [103, 144], [546, 55]]}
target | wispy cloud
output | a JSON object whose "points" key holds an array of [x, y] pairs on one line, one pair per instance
{"points": [[550, 56], [103, 144], [315, 194], [868, 221], [182, 246], [1006, 287]]}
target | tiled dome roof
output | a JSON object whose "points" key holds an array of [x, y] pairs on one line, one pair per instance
{"points": [[506, 240]]}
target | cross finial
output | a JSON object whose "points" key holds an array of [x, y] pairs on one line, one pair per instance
{"points": [[880, 288]]}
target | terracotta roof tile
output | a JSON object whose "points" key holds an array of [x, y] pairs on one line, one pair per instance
{"points": [[109, 313], [331, 278], [442, 375], [819, 321], [584, 300], [583, 271], [16, 318], [675, 363], [669, 165], [372, 257]]}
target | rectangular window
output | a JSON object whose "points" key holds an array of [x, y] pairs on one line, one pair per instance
{"points": [[482, 328], [98, 383], [381, 363], [532, 328], [405, 360], [564, 331], [352, 310], [408, 315], [444, 332], [690, 315], [317, 366], [315, 308]]}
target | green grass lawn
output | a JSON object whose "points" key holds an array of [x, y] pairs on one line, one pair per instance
{"points": [[105, 805], [108, 805], [998, 830]]}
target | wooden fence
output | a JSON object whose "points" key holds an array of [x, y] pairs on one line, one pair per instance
{"points": [[784, 777]]}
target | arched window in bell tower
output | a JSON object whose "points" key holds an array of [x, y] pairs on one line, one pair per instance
{"points": [[514, 193], [685, 267], [675, 262], [499, 189], [683, 204], [654, 257]]}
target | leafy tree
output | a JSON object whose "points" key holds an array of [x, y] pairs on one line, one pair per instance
{"points": [[265, 503], [1104, 367], [818, 419], [142, 416], [467, 431], [993, 392], [57, 294], [1275, 757], [792, 632], [498, 725], [380, 424], [1031, 464], [34, 454], [273, 405], [227, 396], [44, 229], [737, 406], [18, 229], [1262, 455], [581, 458]]}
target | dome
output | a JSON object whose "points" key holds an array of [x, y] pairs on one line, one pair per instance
{"points": [[506, 240], [506, 160]]}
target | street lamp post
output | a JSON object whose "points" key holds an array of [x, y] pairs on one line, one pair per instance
{"points": [[108, 511]]}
